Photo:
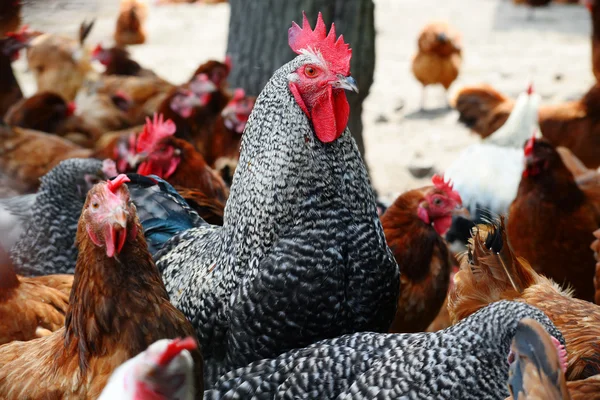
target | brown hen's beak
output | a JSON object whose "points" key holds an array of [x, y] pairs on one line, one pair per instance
{"points": [[461, 211], [345, 82], [116, 232]]}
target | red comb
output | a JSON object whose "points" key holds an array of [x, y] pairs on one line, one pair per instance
{"points": [[175, 348], [97, 50], [530, 89], [155, 130], [19, 34], [336, 53], [446, 186], [71, 107], [529, 145], [238, 94], [117, 182]]}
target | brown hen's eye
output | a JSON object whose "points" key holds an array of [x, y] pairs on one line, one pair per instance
{"points": [[310, 72], [95, 206]]}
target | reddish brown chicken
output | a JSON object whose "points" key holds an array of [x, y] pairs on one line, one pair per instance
{"points": [[30, 307], [130, 24], [224, 142], [176, 160], [26, 156], [118, 307], [117, 61], [552, 220], [10, 46], [49, 112], [492, 272], [413, 228], [438, 57]]}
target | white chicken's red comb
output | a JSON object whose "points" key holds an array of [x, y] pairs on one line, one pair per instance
{"points": [[336, 53], [176, 347]]}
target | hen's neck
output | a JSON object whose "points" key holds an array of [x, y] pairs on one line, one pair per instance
{"points": [[107, 295]]}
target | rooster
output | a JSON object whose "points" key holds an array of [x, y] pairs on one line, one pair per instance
{"points": [[438, 57], [118, 307], [491, 272], [413, 228], [492, 186], [552, 219], [165, 370], [466, 361], [301, 243]]}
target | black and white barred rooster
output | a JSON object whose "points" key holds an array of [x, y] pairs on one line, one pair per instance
{"points": [[301, 255]]}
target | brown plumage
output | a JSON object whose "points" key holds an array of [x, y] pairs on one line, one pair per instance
{"points": [[492, 272], [209, 208], [118, 61], [552, 220], [596, 248], [438, 57], [30, 307], [585, 389], [26, 156], [130, 23], [413, 226], [118, 307], [536, 364], [572, 124], [60, 63], [49, 112]]}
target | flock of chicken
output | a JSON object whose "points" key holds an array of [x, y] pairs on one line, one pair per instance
{"points": [[124, 276]]}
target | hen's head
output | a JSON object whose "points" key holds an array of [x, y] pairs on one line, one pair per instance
{"points": [[101, 55], [15, 41], [318, 84], [160, 156], [441, 202], [183, 102], [163, 370], [43, 111], [237, 111], [109, 215], [203, 88], [540, 156]]}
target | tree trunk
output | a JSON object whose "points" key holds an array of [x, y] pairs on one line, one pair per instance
{"points": [[258, 43]]}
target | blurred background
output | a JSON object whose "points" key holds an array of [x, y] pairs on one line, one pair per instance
{"points": [[501, 45]]}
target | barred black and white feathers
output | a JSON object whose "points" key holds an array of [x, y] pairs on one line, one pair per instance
{"points": [[47, 243], [465, 361], [301, 255]]}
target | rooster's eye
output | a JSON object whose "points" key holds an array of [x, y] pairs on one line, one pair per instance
{"points": [[311, 72], [437, 202]]}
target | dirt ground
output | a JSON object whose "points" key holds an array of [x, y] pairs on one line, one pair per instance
{"points": [[501, 47]]}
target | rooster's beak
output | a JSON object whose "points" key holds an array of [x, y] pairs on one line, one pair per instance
{"points": [[345, 82]]}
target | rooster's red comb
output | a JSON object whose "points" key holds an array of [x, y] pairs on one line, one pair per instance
{"points": [[117, 182], [447, 187], [176, 347], [154, 130], [336, 53]]}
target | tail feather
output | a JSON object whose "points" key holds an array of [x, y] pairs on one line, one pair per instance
{"points": [[490, 272], [482, 108]]}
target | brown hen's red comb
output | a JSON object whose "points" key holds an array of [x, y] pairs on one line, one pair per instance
{"points": [[446, 186], [176, 347], [154, 130], [529, 145], [336, 53], [117, 182]]}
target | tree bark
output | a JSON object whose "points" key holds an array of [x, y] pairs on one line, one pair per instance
{"points": [[258, 43]]}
